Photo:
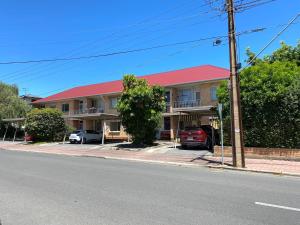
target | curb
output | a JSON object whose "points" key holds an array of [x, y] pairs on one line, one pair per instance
{"points": [[254, 171], [161, 162], [155, 161], [208, 166]]}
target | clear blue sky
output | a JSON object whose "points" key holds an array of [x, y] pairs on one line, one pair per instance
{"points": [[35, 29]]}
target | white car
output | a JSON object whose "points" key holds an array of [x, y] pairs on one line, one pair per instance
{"points": [[84, 136]]}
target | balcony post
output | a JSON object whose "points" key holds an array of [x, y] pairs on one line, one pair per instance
{"points": [[171, 101], [103, 131]]}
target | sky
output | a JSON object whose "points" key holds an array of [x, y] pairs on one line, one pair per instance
{"points": [[47, 29]]}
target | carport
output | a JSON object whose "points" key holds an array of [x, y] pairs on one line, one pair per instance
{"points": [[185, 114], [104, 117], [15, 122]]}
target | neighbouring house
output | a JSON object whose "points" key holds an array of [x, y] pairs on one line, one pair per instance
{"points": [[190, 95], [30, 98]]}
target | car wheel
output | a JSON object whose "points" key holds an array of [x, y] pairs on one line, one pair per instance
{"points": [[183, 146]]}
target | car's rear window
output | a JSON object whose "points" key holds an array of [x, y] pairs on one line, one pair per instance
{"points": [[76, 132], [192, 128], [89, 131]]}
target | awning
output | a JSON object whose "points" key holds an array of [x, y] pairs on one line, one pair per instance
{"points": [[205, 110]]}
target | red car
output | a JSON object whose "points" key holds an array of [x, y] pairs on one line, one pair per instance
{"points": [[28, 137], [196, 137]]}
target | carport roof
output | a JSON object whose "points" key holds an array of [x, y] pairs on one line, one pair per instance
{"points": [[13, 119]]}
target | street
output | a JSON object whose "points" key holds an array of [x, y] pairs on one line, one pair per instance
{"points": [[38, 188]]}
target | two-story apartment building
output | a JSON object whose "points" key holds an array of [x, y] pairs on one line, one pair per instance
{"points": [[190, 94]]}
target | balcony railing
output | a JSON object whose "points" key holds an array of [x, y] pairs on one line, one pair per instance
{"points": [[167, 110], [187, 104], [87, 111]]}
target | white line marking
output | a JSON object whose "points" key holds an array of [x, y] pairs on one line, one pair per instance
{"points": [[278, 206]]}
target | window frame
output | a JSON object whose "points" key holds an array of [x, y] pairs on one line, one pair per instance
{"points": [[213, 93], [112, 106], [63, 107]]}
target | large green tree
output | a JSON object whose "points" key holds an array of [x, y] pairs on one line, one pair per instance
{"points": [[45, 124], [140, 108], [11, 106], [270, 99]]}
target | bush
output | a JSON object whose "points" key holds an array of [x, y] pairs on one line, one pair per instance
{"points": [[45, 124], [270, 100]]}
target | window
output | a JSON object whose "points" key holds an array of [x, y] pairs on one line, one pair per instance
{"points": [[80, 106], [198, 96], [93, 103], [185, 95], [113, 102], [115, 126], [65, 107], [213, 93]]}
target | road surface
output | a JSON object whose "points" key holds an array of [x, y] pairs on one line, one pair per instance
{"points": [[51, 189]]}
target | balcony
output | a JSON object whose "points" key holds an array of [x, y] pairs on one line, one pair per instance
{"points": [[87, 111], [187, 104]]}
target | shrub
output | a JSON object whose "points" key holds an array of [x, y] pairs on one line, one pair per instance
{"points": [[45, 124]]}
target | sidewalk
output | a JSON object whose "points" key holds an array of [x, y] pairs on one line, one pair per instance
{"points": [[163, 153]]}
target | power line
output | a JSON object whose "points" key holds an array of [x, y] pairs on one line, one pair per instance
{"points": [[143, 21], [273, 39], [252, 4], [238, 34], [177, 52], [109, 54], [180, 51], [21, 75], [131, 50], [240, 5], [110, 36]]}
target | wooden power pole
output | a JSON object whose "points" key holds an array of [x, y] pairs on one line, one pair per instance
{"points": [[236, 119]]}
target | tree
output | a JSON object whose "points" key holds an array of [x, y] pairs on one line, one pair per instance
{"points": [[45, 124], [11, 106], [285, 53], [269, 99], [140, 108]]}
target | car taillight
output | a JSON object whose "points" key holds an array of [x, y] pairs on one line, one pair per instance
{"points": [[201, 135]]}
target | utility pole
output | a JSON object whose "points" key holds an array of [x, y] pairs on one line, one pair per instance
{"points": [[238, 158]]}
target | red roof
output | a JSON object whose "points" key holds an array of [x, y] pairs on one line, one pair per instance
{"points": [[182, 76]]}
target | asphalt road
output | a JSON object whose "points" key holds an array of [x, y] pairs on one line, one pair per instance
{"points": [[51, 189]]}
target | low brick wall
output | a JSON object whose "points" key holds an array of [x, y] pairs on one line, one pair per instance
{"points": [[271, 153]]}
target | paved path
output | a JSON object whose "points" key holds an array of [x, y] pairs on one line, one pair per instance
{"points": [[45, 189]]}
